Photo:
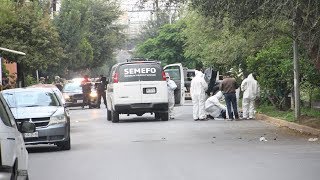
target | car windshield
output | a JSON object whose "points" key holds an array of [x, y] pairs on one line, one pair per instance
{"points": [[31, 99], [72, 87]]}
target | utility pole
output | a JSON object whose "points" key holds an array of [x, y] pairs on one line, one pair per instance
{"points": [[296, 71]]}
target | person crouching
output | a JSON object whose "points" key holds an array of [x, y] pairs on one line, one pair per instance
{"points": [[213, 106]]}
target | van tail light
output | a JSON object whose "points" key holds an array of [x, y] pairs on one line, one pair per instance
{"points": [[115, 78], [164, 76]]}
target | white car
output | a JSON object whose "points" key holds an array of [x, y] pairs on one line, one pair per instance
{"points": [[13, 153], [137, 87]]}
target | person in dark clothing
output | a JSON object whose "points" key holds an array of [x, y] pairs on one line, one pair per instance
{"points": [[86, 90], [228, 87], [101, 90]]}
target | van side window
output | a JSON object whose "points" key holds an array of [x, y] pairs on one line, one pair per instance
{"points": [[4, 115]]}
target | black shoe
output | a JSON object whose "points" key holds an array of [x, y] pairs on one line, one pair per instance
{"points": [[210, 117], [204, 119], [197, 119]]}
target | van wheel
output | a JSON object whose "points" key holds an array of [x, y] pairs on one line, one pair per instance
{"points": [[115, 116], [108, 115], [157, 116], [165, 116], [65, 145]]}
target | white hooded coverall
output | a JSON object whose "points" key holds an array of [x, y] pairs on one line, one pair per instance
{"points": [[171, 87], [251, 91], [198, 88], [213, 105]]}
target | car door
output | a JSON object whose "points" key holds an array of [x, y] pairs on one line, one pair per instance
{"points": [[12, 143], [177, 75]]}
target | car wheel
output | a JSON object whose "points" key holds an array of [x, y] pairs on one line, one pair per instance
{"points": [[165, 116], [115, 116], [108, 115], [66, 145], [157, 116]]}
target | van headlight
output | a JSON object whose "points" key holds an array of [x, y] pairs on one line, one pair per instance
{"points": [[58, 118], [93, 94]]}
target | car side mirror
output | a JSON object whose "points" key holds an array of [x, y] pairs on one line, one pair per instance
{"points": [[27, 127]]}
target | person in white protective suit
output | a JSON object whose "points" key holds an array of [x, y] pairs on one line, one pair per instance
{"points": [[198, 89], [213, 106], [171, 87], [251, 91]]}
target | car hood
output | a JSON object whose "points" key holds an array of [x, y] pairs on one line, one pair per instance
{"points": [[34, 112]]}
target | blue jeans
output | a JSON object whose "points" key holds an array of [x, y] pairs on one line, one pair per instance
{"points": [[231, 99]]}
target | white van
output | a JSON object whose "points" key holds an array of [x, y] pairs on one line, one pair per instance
{"points": [[137, 87], [13, 153]]}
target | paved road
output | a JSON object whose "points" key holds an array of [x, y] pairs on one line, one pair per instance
{"points": [[139, 148]]}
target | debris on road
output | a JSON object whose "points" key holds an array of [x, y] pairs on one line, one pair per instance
{"points": [[312, 139], [263, 138]]}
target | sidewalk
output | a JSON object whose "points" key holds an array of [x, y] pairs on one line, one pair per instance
{"points": [[294, 126]]}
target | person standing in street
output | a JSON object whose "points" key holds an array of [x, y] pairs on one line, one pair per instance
{"points": [[228, 87], [198, 89], [86, 90], [171, 87], [101, 89], [213, 106], [251, 91]]}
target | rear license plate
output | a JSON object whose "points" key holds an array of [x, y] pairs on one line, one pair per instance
{"points": [[31, 135], [149, 90], [79, 101]]}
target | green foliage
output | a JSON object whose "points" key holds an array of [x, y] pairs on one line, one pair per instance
{"points": [[274, 65], [168, 46], [88, 32], [30, 80], [213, 45], [305, 14], [29, 29]]}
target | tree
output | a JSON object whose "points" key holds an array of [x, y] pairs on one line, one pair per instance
{"points": [[167, 47], [28, 28], [88, 32], [305, 14]]}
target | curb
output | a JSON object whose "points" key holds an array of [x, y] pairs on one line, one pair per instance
{"points": [[290, 125]]}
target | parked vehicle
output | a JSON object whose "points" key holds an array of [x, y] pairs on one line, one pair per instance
{"points": [[13, 153], [177, 74], [45, 109], [137, 87], [72, 93]]}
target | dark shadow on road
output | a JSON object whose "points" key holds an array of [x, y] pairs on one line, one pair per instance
{"points": [[42, 149], [138, 119]]}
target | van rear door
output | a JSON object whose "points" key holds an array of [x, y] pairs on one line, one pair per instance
{"points": [[177, 75], [153, 86], [128, 87]]}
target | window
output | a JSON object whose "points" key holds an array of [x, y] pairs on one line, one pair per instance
{"points": [[174, 72], [31, 99], [4, 115]]}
